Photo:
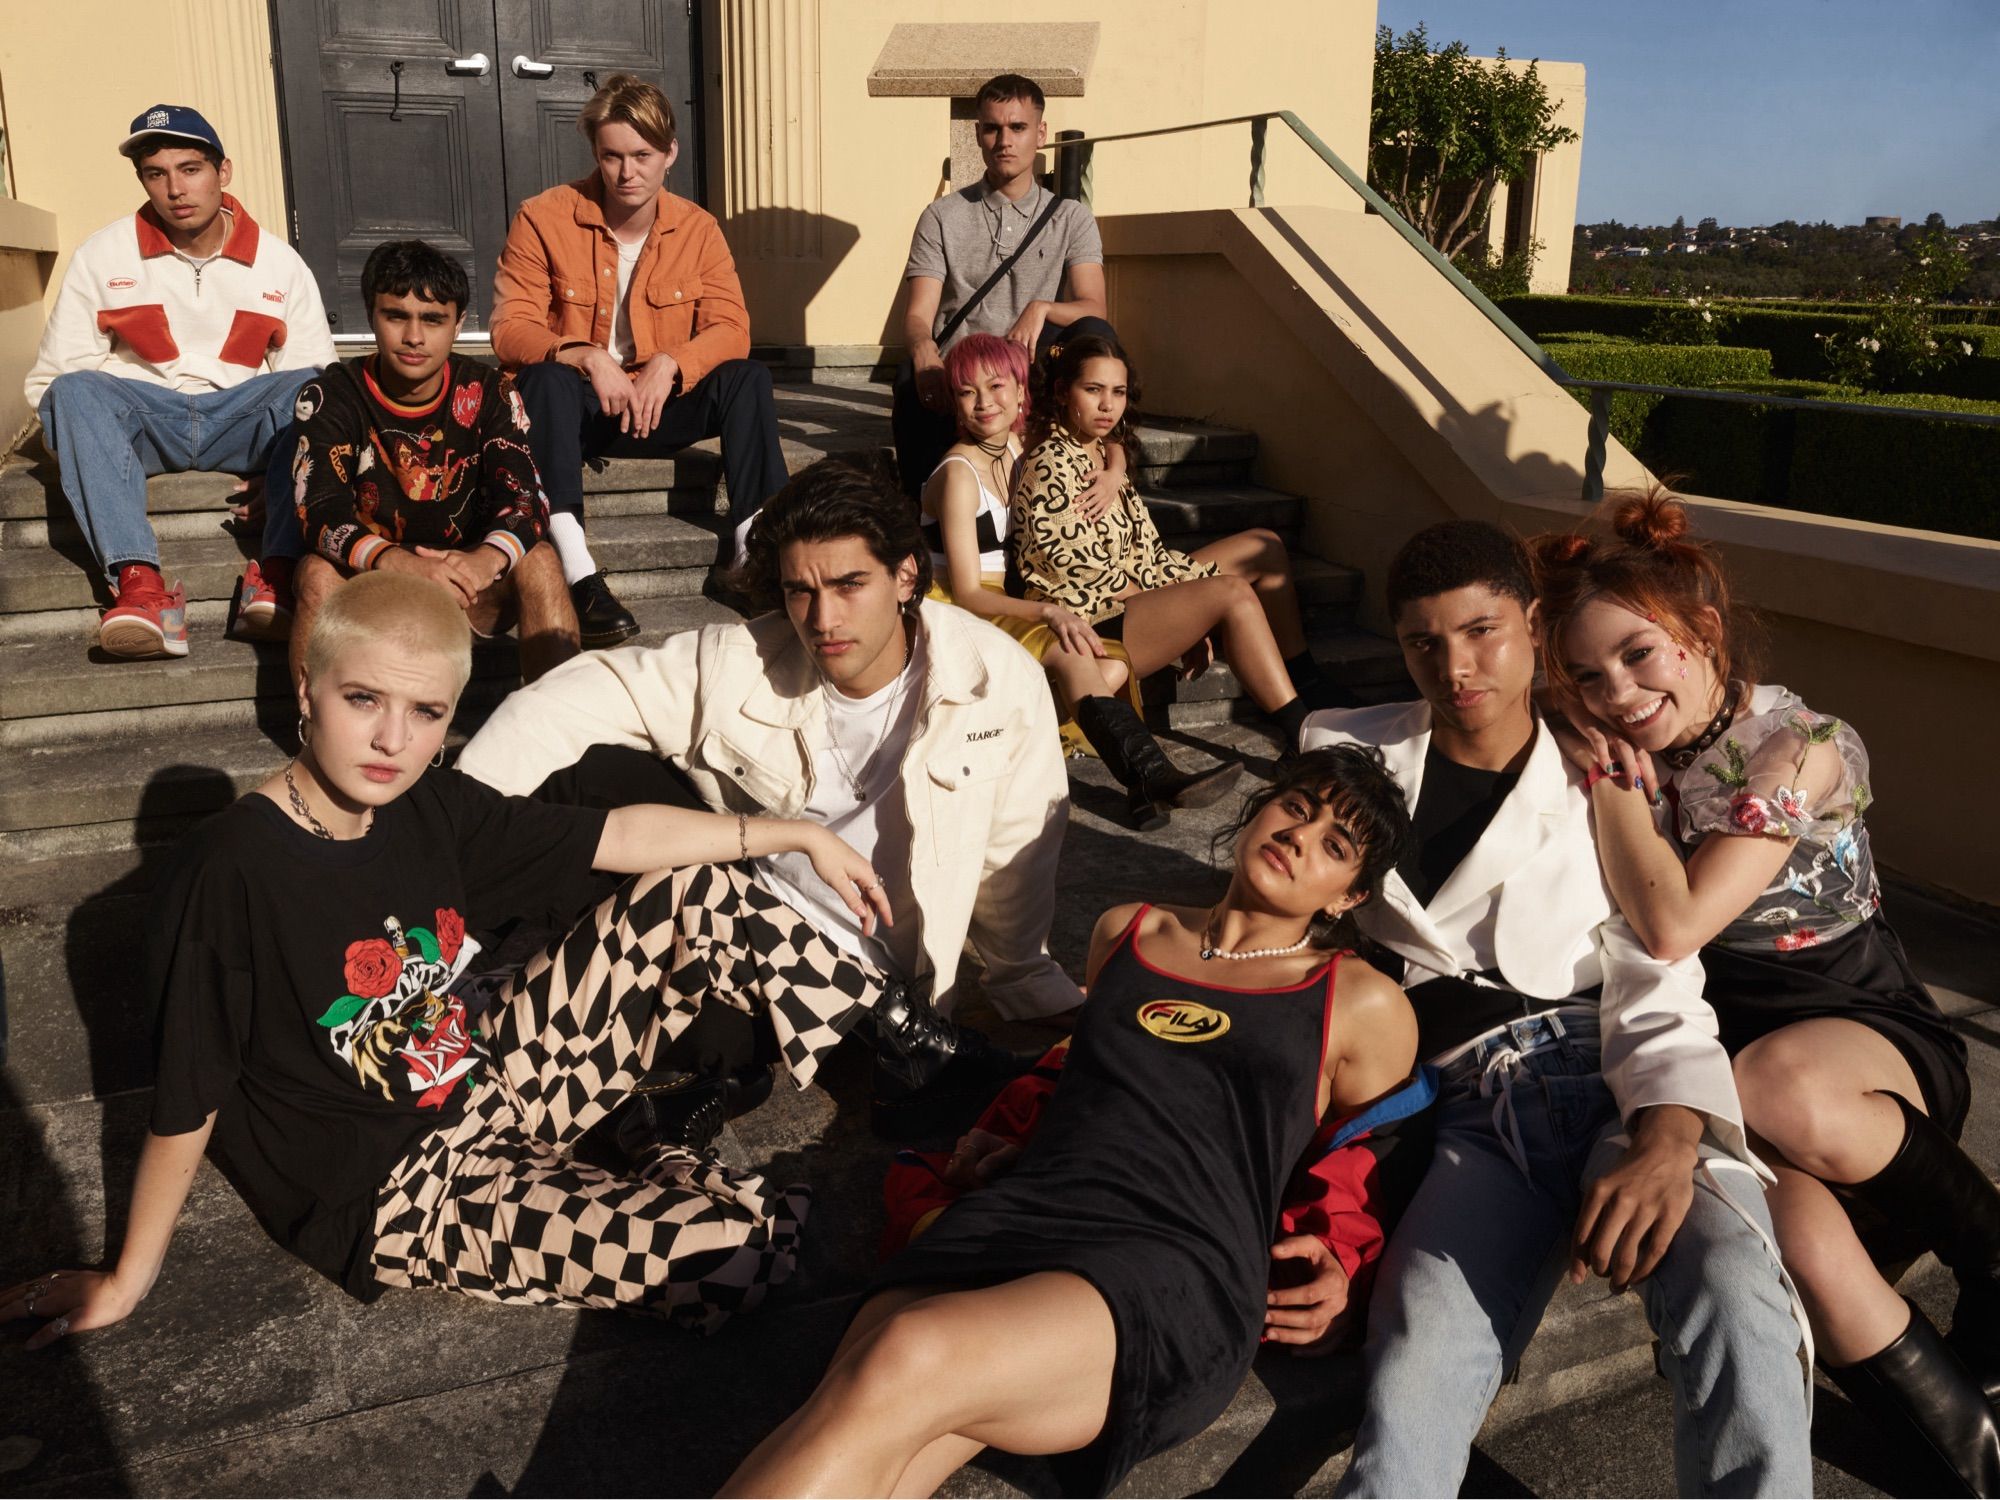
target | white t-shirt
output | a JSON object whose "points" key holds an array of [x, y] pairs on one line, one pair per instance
{"points": [[622, 348], [873, 735]]}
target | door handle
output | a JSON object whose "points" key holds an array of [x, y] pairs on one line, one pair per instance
{"points": [[527, 67], [475, 66]]}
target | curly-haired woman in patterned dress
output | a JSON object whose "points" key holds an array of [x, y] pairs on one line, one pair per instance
{"points": [[966, 523], [1729, 818], [309, 957], [1103, 559]]}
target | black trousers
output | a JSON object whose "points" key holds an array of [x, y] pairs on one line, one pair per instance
{"points": [[922, 435], [567, 428]]}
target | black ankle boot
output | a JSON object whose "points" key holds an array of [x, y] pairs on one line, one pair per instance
{"points": [[1130, 753], [932, 1076], [1918, 1388], [670, 1110], [1933, 1187]]}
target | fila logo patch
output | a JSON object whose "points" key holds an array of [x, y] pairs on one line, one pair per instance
{"points": [[121, 283], [1183, 1020]]}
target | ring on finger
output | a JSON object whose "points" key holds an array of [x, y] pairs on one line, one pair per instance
{"points": [[59, 1328]]}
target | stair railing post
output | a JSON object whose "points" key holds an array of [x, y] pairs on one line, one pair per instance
{"points": [[1594, 454], [1258, 129], [1073, 168]]}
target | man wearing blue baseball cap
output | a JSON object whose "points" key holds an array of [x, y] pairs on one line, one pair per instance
{"points": [[179, 340]]}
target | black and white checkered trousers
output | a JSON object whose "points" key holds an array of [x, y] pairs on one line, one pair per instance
{"points": [[493, 1206]]}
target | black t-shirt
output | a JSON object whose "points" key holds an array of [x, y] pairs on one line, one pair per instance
{"points": [[1453, 809], [305, 991]]}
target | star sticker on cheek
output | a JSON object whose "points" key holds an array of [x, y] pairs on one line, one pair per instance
{"points": [[1684, 662]]}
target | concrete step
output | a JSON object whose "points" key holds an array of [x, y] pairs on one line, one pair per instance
{"points": [[63, 577], [49, 682]]}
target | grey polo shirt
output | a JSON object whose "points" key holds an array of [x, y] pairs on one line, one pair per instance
{"points": [[962, 237]]}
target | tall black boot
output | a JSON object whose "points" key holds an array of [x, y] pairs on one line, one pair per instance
{"points": [[1919, 1388], [1130, 753], [1940, 1193]]}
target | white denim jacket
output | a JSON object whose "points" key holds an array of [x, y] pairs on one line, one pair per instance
{"points": [[736, 707]]}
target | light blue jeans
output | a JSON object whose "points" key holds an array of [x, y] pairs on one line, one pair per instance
{"points": [[109, 433], [1470, 1270]]}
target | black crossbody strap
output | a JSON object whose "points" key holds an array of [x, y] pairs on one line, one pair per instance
{"points": [[965, 308]]}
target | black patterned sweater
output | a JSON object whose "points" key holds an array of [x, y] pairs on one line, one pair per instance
{"points": [[370, 474]]}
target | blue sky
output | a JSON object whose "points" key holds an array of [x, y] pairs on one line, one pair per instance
{"points": [[1758, 110]]}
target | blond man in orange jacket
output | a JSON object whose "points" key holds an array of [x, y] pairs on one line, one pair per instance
{"points": [[618, 307]]}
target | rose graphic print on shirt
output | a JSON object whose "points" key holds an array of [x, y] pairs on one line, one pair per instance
{"points": [[398, 1010]]}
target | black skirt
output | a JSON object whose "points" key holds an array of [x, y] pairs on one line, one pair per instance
{"points": [[1862, 975]]}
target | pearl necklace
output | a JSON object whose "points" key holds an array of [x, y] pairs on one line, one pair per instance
{"points": [[1209, 950]]}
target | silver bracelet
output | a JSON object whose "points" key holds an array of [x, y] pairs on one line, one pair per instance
{"points": [[742, 836]]}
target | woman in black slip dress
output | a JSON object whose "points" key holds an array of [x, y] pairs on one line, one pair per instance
{"points": [[1750, 847], [1103, 1300]]}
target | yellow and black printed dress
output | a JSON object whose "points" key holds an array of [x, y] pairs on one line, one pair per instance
{"points": [[1088, 566]]}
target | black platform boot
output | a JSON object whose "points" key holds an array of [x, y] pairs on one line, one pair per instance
{"points": [[932, 1076], [1130, 753], [1940, 1193], [1919, 1388]]}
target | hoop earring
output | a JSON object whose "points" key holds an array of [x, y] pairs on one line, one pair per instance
{"points": [[305, 731], [438, 759]]}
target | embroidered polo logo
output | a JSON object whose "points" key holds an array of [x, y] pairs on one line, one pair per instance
{"points": [[121, 283], [274, 296], [973, 736], [1183, 1020]]}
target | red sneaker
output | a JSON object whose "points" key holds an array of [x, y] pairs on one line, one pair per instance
{"points": [[263, 607], [148, 619]]}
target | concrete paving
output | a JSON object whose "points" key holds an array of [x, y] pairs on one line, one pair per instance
{"points": [[246, 1374]]}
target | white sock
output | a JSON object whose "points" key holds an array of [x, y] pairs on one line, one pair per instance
{"points": [[566, 531], [742, 538]]}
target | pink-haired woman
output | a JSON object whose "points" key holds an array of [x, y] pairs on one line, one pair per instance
{"points": [[965, 505]]}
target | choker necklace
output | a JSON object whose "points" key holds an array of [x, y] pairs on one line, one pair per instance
{"points": [[1209, 950], [299, 807], [1680, 759], [993, 450]]}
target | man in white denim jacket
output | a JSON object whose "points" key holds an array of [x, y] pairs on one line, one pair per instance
{"points": [[922, 735]]}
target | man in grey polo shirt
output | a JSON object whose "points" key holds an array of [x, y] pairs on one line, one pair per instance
{"points": [[961, 240]]}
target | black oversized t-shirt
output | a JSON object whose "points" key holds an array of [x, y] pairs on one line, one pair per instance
{"points": [[305, 991]]}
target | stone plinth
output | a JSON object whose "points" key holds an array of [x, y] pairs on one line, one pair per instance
{"points": [[951, 59]]}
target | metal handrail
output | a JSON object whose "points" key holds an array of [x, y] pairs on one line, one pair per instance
{"points": [[1601, 390]]}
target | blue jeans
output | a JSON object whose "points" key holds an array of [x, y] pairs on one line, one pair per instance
{"points": [[1471, 1267], [109, 433]]}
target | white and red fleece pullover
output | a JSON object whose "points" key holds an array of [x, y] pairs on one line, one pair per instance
{"points": [[130, 306]]}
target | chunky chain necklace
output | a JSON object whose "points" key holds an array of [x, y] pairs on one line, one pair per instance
{"points": [[1684, 757], [1209, 950], [854, 778], [299, 807]]}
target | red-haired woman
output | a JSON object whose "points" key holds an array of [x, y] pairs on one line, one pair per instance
{"points": [[965, 521], [1729, 817]]}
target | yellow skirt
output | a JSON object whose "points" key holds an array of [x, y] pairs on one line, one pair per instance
{"points": [[1038, 641]]}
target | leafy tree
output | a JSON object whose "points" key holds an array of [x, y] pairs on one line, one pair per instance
{"points": [[1446, 129]]}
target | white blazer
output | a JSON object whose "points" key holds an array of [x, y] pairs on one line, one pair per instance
{"points": [[1530, 902]]}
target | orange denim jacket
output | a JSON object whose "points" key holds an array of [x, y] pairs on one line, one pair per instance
{"points": [[558, 284]]}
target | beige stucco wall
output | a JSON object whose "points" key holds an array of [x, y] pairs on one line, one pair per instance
{"points": [[820, 184], [77, 72], [1387, 402], [27, 258], [1552, 218]]}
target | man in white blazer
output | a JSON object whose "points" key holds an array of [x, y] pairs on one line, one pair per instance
{"points": [[1588, 1120]]}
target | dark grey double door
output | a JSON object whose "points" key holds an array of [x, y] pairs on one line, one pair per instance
{"points": [[434, 119]]}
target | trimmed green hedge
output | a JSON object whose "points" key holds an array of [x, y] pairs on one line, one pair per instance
{"points": [[1791, 333], [1937, 476]]}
